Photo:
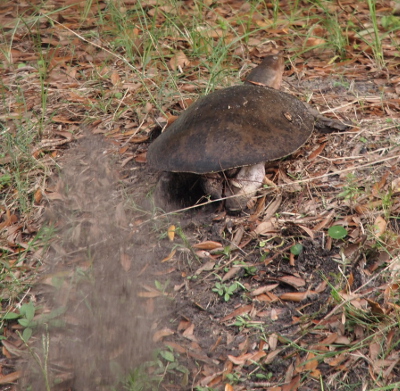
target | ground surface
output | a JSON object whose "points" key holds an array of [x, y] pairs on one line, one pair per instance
{"points": [[130, 297]]}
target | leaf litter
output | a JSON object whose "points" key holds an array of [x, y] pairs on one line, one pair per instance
{"points": [[328, 314]]}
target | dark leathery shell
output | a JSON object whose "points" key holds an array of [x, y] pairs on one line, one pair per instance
{"points": [[232, 127]]}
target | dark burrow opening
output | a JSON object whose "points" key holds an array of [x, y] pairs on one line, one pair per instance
{"points": [[177, 190]]}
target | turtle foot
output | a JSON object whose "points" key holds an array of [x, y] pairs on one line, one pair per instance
{"points": [[243, 187], [212, 185]]}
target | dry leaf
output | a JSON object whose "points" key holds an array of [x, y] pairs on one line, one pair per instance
{"points": [[379, 226], [296, 282], [240, 311], [265, 227], [10, 378], [311, 363], [149, 295], [125, 261], [316, 152], [203, 254], [189, 333], [176, 347], [336, 360], [273, 341], [141, 157], [309, 231], [10, 219], [160, 334], [230, 273], [240, 360], [171, 233], [294, 296], [312, 42], [169, 257], [38, 196], [263, 289], [183, 324], [270, 357], [115, 79], [379, 185], [255, 357], [120, 215], [396, 186], [228, 387], [206, 267], [179, 61], [293, 385], [207, 245], [376, 309]]}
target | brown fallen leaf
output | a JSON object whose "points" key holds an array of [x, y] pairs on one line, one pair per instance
{"points": [[207, 245], [256, 357], [10, 350], [293, 385], [274, 314], [230, 273], [311, 363], [273, 341], [141, 157], [189, 333], [316, 152], [376, 309], [176, 347], [10, 378], [171, 233], [309, 231], [10, 219], [240, 360], [272, 207], [265, 227], [149, 295], [396, 186], [293, 281], [270, 357], [125, 261], [335, 361], [379, 226], [294, 296], [228, 387], [291, 259], [365, 208], [169, 257], [179, 61], [183, 324], [37, 197], [208, 266], [54, 196], [377, 187], [115, 79], [160, 334], [263, 289], [240, 311], [203, 254]]}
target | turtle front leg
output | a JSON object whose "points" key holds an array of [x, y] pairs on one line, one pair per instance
{"points": [[244, 186], [212, 185]]}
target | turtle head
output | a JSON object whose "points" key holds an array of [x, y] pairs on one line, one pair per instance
{"points": [[268, 73]]}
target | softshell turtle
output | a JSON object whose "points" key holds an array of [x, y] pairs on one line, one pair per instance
{"points": [[242, 127]]}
